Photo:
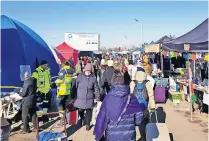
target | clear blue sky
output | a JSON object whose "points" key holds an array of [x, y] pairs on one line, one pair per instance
{"points": [[112, 20]]}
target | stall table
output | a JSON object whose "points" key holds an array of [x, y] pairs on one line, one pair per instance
{"points": [[5, 108], [184, 89]]}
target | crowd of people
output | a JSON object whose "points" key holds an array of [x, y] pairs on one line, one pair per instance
{"points": [[124, 86]]}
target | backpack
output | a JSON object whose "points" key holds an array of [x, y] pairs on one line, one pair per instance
{"points": [[140, 91]]}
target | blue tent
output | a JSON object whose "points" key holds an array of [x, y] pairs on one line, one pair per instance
{"points": [[197, 38], [21, 46], [152, 42]]}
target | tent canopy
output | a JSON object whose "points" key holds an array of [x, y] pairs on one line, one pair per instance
{"points": [[163, 39], [138, 50], [21, 46], [68, 52], [59, 55], [197, 38], [152, 42]]}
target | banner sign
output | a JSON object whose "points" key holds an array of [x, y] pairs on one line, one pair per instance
{"points": [[83, 41], [152, 48]]}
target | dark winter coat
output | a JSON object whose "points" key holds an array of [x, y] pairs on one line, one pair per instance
{"points": [[107, 76], [118, 115], [29, 92], [87, 91]]}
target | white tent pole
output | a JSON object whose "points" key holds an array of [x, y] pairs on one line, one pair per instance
{"points": [[190, 90]]}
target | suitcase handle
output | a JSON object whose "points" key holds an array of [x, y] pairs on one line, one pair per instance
{"points": [[52, 113]]}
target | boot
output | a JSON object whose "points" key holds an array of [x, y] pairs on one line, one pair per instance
{"points": [[87, 127]]}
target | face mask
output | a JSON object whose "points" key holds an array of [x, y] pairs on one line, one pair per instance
{"points": [[87, 73]]}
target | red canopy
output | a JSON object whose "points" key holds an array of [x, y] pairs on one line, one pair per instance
{"points": [[67, 52], [59, 55]]}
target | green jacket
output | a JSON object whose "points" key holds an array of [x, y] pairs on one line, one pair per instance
{"points": [[43, 80]]}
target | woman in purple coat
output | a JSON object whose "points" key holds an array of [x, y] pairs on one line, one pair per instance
{"points": [[119, 113], [87, 91]]}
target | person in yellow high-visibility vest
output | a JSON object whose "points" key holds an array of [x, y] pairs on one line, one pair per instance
{"points": [[42, 75], [63, 82]]}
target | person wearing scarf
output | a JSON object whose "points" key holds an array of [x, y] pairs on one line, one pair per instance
{"points": [[119, 113]]}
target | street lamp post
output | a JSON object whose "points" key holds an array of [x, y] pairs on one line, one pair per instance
{"points": [[141, 31]]}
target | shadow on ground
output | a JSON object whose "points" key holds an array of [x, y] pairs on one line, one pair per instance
{"points": [[171, 136], [72, 129], [161, 115]]}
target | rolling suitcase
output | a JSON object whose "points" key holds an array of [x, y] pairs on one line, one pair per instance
{"points": [[159, 92], [157, 131]]}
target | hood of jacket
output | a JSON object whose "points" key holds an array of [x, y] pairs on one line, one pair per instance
{"points": [[116, 102], [119, 91]]}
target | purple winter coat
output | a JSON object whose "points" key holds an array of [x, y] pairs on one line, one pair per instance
{"points": [[87, 91], [118, 115]]}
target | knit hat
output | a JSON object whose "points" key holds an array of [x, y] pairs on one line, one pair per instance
{"points": [[88, 67], [117, 78], [110, 63], [140, 74], [43, 62], [140, 69]]}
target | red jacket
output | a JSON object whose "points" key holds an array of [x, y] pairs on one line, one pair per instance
{"points": [[85, 60]]}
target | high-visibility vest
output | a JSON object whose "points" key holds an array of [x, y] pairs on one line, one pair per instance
{"points": [[43, 80], [65, 84]]}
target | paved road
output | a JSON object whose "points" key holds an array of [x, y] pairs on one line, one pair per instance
{"points": [[179, 126]]}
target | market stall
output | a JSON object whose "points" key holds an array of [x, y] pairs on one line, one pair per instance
{"points": [[189, 77], [154, 54]]}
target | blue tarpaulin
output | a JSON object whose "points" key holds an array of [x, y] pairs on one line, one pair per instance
{"points": [[21, 46], [197, 38]]}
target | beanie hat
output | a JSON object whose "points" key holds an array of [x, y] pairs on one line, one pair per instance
{"points": [[117, 78], [88, 67], [43, 62], [140, 69], [110, 63]]}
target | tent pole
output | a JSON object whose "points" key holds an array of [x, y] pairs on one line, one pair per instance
{"points": [[161, 61], [190, 90]]}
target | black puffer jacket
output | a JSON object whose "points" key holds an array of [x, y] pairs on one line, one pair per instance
{"points": [[29, 92]]}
